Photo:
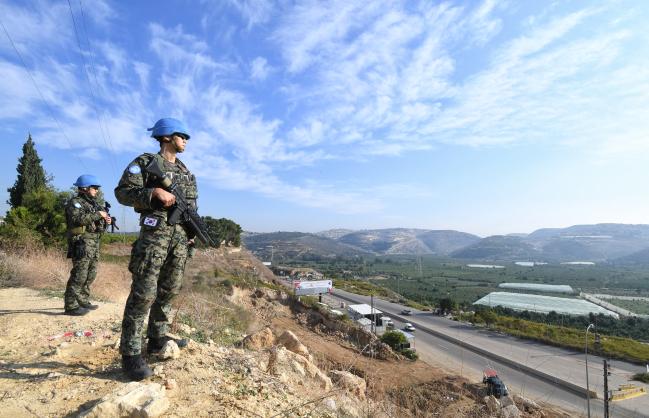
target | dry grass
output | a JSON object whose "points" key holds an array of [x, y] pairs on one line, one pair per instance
{"points": [[48, 269]]}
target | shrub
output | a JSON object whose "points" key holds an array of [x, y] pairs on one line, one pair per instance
{"points": [[41, 216], [394, 339], [642, 377], [410, 354]]}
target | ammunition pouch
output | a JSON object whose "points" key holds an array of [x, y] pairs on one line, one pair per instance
{"points": [[78, 230], [77, 249]]}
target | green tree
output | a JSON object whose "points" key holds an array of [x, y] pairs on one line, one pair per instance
{"points": [[487, 316], [394, 339], [223, 231], [447, 305], [31, 175], [41, 217]]}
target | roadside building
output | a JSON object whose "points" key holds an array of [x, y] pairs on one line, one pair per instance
{"points": [[409, 337], [364, 310], [365, 323]]}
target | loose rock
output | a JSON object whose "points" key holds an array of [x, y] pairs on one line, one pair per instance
{"points": [[292, 343], [492, 403], [134, 399], [171, 384], [528, 404], [350, 382], [289, 366], [259, 340], [170, 350], [510, 411]]}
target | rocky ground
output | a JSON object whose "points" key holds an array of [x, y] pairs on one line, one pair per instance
{"points": [[52, 365]]}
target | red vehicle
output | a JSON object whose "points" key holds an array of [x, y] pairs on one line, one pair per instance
{"points": [[495, 386]]}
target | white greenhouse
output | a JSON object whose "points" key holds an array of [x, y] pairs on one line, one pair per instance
{"points": [[543, 304], [549, 288]]}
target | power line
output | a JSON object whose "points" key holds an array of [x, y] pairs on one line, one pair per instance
{"points": [[40, 93], [93, 70], [90, 88]]}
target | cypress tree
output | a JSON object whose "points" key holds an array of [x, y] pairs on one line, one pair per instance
{"points": [[31, 175]]}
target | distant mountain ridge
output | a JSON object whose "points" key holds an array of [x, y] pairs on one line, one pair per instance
{"points": [[609, 242], [339, 242], [598, 243]]}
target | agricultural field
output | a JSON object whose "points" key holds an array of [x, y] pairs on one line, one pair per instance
{"points": [[427, 279], [640, 307]]}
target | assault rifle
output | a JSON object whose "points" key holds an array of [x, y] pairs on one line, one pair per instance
{"points": [[113, 223], [181, 212]]}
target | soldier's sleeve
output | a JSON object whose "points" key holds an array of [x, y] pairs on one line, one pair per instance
{"points": [[192, 194], [79, 214], [131, 191]]}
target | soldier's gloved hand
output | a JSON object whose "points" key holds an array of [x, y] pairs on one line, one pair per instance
{"points": [[164, 196]]}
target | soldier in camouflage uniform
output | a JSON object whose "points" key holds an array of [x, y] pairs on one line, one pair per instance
{"points": [[158, 256], [86, 222]]}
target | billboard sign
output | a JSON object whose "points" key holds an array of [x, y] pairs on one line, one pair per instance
{"points": [[313, 287]]}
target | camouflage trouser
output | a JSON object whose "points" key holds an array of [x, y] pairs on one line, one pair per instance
{"points": [[84, 272], [157, 263]]}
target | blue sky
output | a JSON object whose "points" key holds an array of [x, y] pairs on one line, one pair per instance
{"points": [[487, 117]]}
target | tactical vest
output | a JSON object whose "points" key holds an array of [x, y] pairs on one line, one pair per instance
{"points": [[178, 173], [88, 205]]}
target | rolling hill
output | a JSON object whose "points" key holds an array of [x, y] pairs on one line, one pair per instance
{"points": [[598, 243]]}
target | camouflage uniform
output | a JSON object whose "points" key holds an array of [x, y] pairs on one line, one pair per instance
{"points": [[158, 256], [85, 227]]}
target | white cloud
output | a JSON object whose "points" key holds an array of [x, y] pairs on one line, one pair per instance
{"points": [[259, 69], [360, 80], [255, 12], [387, 79], [90, 153], [33, 27], [483, 25]]}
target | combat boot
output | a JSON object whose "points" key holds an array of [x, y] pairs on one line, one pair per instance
{"points": [[80, 311], [155, 344], [89, 306], [135, 367]]}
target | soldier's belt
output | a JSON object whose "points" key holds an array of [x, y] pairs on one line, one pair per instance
{"points": [[78, 230]]}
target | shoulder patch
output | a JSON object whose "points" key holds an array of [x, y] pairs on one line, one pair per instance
{"points": [[77, 205], [134, 169]]}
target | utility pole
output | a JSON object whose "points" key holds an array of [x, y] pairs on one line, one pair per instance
{"points": [[372, 328], [587, 385], [606, 394]]}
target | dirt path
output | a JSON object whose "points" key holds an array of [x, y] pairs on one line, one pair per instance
{"points": [[41, 374]]}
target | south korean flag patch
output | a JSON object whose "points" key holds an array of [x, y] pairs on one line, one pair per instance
{"points": [[149, 221], [77, 205]]}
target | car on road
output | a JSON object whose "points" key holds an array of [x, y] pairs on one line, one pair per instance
{"points": [[406, 312], [408, 327]]}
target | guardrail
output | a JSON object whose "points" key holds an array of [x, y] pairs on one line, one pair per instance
{"points": [[569, 386]]}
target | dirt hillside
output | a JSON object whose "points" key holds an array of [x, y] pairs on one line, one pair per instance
{"points": [[55, 365]]}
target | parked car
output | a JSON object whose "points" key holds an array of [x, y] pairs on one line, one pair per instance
{"points": [[409, 327], [406, 312], [389, 325]]}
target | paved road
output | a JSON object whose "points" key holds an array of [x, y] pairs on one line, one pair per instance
{"points": [[564, 364]]}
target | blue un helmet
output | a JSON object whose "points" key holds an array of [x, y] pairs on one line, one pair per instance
{"points": [[169, 126], [87, 180]]}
